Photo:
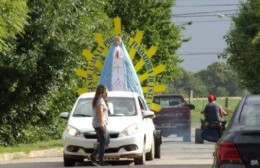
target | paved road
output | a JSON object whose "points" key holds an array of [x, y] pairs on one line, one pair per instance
{"points": [[175, 153]]}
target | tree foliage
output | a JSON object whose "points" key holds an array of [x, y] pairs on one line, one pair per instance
{"points": [[189, 81], [218, 79], [38, 77], [13, 17], [243, 51], [154, 18]]}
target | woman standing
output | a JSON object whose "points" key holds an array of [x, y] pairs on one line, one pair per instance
{"points": [[100, 122]]}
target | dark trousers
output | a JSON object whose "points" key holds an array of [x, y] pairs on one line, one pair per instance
{"points": [[103, 141]]}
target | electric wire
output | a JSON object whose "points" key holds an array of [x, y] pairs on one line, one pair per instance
{"points": [[215, 5], [200, 53]]}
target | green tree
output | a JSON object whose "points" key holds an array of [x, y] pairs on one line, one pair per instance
{"points": [[38, 78], [220, 80], [243, 51], [189, 81], [13, 17], [155, 19]]}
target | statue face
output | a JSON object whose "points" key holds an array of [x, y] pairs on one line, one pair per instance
{"points": [[117, 42]]}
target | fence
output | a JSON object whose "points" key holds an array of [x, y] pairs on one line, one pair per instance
{"points": [[228, 103]]}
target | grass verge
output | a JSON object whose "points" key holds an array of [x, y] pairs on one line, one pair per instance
{"points": [[27, 148]]}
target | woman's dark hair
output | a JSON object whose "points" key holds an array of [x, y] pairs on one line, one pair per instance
{"points": [[100, 91]]}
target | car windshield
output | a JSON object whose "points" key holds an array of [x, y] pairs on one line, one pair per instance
{"points": [[122, 106], [168, 101], [118, 106], [83, 108]]}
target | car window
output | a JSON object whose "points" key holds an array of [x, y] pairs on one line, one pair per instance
{"points": [[142, 104], [253, 99], [83, 108], [122, 106], [251, 115], [168, 101]]}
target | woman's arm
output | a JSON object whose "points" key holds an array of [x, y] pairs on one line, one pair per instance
{"points": [[100, 116]]}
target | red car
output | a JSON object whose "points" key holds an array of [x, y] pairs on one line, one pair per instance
{"points": [[174, 116]]}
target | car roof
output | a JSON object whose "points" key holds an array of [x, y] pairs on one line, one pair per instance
{"points": [[111, 94]]}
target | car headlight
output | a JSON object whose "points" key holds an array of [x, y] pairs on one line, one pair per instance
{"points": [[132, 129], [73, 131]]}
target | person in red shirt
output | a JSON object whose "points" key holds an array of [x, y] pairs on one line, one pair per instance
{"points": [[212, 111]]}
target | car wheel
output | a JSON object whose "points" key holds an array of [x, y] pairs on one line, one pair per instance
{"points": [[157, 145], [140, 160], [157, 151], [68, 162], [150, 155], [198, 137]]}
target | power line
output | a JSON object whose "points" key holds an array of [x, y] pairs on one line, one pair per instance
{"points": [[203, 21], [215, 5], [199, 16], [200, 53], [192, 0], [198, 13]]}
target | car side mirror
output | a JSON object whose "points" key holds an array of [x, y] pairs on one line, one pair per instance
{"points": [[191, 106], [148, 114], [64, 115]]}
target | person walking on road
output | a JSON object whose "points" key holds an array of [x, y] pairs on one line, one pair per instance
{"points": [[100, 122]]}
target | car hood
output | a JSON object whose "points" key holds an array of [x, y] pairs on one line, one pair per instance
{"points": [[116, 124]]}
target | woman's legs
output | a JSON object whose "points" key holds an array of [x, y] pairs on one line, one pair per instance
{"points": [[103, 139]]}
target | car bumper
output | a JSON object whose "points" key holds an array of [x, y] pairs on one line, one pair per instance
{"points": [[121, 147], [232, 166]]}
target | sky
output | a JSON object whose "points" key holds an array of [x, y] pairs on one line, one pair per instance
{"points": [[211, 20]]}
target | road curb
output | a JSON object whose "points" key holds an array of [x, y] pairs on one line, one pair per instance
{"points": [[54, 152]]}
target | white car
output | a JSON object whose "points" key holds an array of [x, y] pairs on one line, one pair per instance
{"points": [[131, 129]]}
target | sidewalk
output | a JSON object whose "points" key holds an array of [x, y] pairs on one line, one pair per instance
{"points": [[54, 152]]}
